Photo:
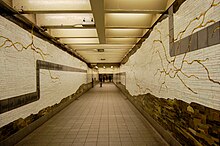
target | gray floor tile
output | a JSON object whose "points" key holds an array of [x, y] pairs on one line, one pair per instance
{"points": [[90, 144], [114, 143], [101, 116], [77, 144]]}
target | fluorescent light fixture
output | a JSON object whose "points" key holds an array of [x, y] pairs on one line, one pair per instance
{"points": [[79, 40], [75, 20], [53, 4], [74, 33]]}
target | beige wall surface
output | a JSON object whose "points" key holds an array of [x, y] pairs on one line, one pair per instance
{"points": [[18, 71], [194, 76]]}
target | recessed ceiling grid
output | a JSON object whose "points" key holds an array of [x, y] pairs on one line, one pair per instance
{"points": [[88, 25]]}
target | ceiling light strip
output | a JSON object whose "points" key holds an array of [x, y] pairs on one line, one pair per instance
{"points": [[134, 11], [128, 27], [53, 11], [67, 27], [91, 27]]}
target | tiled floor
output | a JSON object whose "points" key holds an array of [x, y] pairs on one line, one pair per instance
{"points": [[101, 117]]}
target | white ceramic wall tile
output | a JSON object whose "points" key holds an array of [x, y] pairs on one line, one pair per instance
{"points": [[142, 67], [18, 72]]}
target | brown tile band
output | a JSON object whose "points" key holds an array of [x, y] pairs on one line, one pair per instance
{"points": [[21, 100], [121, 73], [54, 66], [206, 37]]}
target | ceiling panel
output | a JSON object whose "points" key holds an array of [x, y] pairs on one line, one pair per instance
{"points": [[103, 58], [42, 5], [79, 40], [103, 55], [74, 19], [126, 20], [74, 33], [103, 46], [136, 4], [122, 40], [125, 32], [97, 59], [105, 50]]}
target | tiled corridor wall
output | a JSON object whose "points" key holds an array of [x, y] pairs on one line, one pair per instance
{"points": [[192, 77], [163, 86], [91, 73], [18, 55]]}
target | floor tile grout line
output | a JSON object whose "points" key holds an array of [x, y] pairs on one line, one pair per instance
{"points": [[81, 124], [144, 121], [102, 109], [91, 125], [118, 129]]}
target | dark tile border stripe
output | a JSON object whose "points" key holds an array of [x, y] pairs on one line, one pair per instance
{"points": [[18, 101], [21, 100], [206, 37], [18, 136], [121, 73], [54, 66], [171, 27]]}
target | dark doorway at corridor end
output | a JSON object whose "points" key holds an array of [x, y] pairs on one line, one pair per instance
{"points": [[105, 78]]}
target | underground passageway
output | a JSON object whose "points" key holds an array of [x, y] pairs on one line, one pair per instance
{"points": [[101, 117], [158, 62]]}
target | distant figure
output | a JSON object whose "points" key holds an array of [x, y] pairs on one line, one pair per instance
{"points": [[100, 82], [110, 78], [92, 83], [103, 79]]}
